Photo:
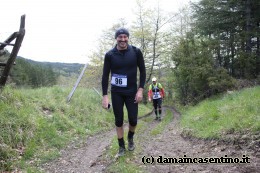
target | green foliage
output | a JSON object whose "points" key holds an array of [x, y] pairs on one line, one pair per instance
{"points": [[4, 55], [65, 69], [246, 65], [196, 77], [221, 81], [26, 74], [237, 112], [29, 73], [92, 77], [233, 27]]}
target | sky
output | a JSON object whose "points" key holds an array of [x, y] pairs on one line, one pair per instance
{"points": [[66, 30]]}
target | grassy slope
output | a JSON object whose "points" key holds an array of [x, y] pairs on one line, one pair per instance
{"points": [[36, 124], [236, 112]]}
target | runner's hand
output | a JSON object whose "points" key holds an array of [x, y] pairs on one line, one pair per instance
{"points": [[139, 95], [105, 102]]}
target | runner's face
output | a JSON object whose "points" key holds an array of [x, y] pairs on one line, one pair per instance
{"points": [[122, 41]]}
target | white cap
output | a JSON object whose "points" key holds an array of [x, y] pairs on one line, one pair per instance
{"points": [[154, 79]]}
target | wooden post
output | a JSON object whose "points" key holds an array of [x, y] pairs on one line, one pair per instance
{"points": [[76, 84], [19, 38]]}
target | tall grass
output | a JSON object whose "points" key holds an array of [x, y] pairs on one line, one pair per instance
{"points": [[235, 112], [36, 123]]}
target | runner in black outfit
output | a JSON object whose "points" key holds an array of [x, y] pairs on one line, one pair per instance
{"points": [[122, 61]]}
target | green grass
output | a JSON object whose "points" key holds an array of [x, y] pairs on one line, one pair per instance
{"points": [[237, 112], [36, 123]]}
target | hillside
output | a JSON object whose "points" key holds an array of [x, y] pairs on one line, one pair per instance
{"points": [[29, 73], [65, 69], [235, 113]]}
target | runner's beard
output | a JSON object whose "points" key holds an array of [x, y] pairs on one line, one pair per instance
{"points": [[122, 44]]}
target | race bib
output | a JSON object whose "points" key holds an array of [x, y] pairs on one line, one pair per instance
{"points": [[119, 80], [156, 95]]}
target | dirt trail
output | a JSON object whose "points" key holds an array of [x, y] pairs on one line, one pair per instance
{"points": [[84, 159], [169, 143]]}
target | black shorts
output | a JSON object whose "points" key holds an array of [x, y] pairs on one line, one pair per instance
{"points": [[118, 102], [157, 103]]}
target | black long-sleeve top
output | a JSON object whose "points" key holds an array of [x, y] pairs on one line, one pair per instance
{"points": [[123, 64]]}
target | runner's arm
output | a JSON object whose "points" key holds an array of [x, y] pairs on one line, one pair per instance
{"points": [[161, 90], [150, 92], [105, 76], [142, 70]]}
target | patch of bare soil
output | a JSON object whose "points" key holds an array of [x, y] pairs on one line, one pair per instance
{"points": [[169, 144], [84, 159]]}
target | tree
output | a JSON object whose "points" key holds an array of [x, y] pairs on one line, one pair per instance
{"points": [[25, 73], [150, 35], [195, 74], [233, 28]]}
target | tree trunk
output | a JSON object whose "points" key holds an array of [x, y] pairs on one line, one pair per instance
{"points": [[258, 51], [248, 26]]}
